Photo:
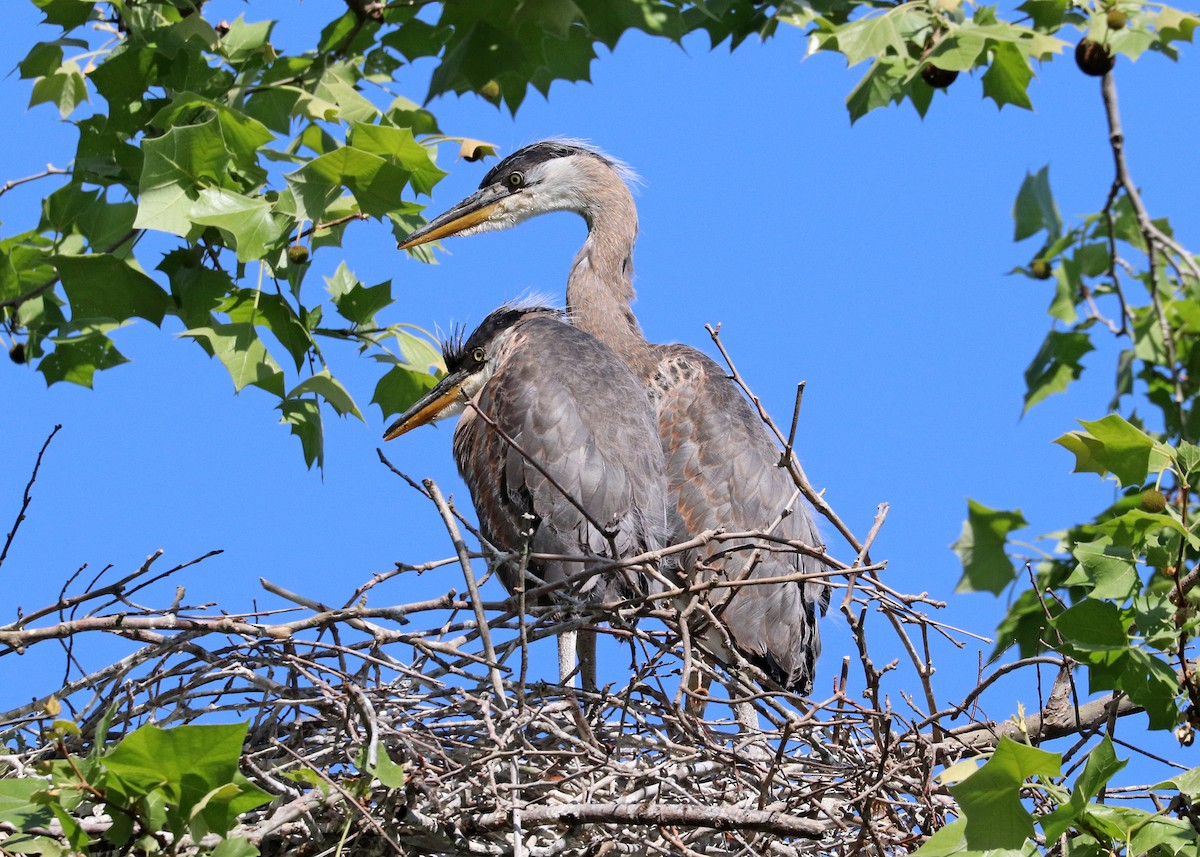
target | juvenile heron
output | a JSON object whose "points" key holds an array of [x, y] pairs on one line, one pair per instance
{"points": [[722, 463], [557, 444]]}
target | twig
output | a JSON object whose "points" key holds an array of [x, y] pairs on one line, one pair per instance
{"points": [[28, 498]]}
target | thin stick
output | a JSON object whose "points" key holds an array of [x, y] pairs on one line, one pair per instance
{"points": [[464, 561], [28, 494]]}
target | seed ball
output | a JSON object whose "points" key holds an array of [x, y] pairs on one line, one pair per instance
{"points": [[1153, 501], [1040, 269], [297, 254], [938, 78], [1116, 19], [1093, 58], [17, 353]]}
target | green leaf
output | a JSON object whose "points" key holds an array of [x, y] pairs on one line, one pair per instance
{"points": [[102, 286], [1093, 625], [67, 14], [980, 547], [1107, 570], [990, 798], [883, 84], [398, 146], [243, 39], [959, 50], [276, 314], [329, 389], [1157, 834], [1152, 684], [238, 347], [64, 88], [304, 417], [1056, 365], [1113, 445], [1007, 79], [1102, 764], [43, 59], [250, 221], [1035, 208], [384, 769], [77, 358], [194, 767], [400, 387], [176, 165], [1187, 783], [354, 301], [17, 806], [945, 842], [235, 847], [871, 37], [375, 182]]}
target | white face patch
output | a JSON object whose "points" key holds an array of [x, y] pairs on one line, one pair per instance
{"points": [[469, 391], [556, 185]]}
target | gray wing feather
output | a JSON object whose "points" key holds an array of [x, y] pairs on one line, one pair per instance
{"points": [[575, 408], [722, 470]]}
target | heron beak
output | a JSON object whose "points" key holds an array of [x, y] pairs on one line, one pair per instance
{"points": [[472, 211], [429, 407]]}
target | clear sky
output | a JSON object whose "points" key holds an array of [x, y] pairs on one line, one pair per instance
{"points": [[868, 261]]}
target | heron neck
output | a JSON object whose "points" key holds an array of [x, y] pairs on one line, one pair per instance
{"points": [[600, 287]]}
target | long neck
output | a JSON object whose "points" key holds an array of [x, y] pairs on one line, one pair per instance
{"points": [[600, 287]]}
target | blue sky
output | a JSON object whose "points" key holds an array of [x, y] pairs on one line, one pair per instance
{"points": [[869, 261]]}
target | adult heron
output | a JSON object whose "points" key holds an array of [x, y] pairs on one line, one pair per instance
{"points": [[722, 463], [558, 447]]}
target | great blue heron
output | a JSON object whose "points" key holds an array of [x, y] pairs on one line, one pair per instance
{"points": [[722, 463], [558, 447]]}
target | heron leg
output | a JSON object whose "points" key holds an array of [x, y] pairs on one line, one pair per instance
{"points": [[586, 647], [566, 657]]}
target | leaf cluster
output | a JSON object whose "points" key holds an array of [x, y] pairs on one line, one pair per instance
{"points": [[157, 786]]}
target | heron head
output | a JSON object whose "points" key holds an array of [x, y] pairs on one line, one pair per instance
{"points": [[552, 175], [470, 363]]}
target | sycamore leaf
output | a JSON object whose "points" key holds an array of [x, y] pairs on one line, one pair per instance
{"points": [[883, 84], [870, 37], [980, 547], [400, 387], [398, 146], [276, 314], [1056, 365], [1102, 764], [103, 286], [359, 303], [375, 182], [249, 220], [1092, 625], [304, 418], [1108, 570], [329, 389], [1007, 79], [475, 150], [991, 797], [176, 164], [1113, 445], [1035, 208], [64, 87], [244, 355], [77, 357]]}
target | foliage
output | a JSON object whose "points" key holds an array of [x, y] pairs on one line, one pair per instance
{"points": [[1115, 595], [156, 785], [212, 167]]}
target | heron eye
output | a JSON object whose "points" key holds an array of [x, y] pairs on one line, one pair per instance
{"points": [[516, 179], [478, 355]]}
